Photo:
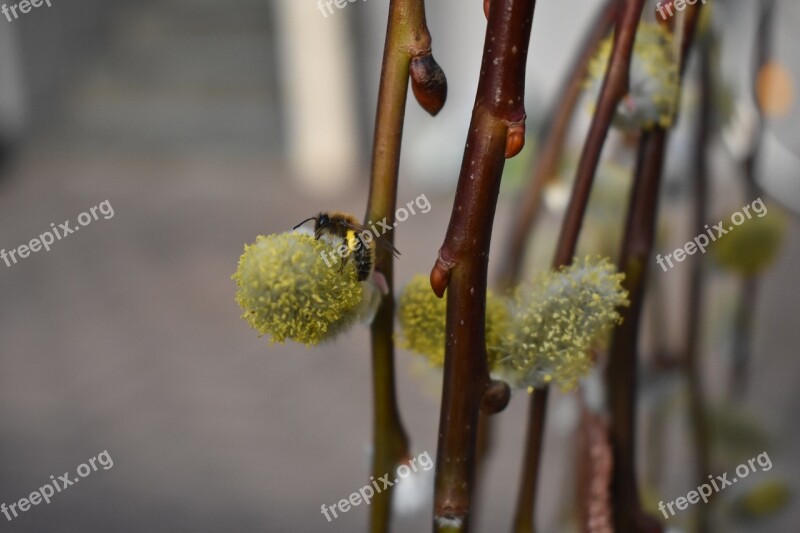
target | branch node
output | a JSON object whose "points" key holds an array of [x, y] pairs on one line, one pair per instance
{"points": [[515, 138], [428, 82], [496, 397], [440, 275]]}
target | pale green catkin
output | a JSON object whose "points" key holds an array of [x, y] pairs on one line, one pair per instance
{"points": [[557, 319], [654, 77], [751, 248]]}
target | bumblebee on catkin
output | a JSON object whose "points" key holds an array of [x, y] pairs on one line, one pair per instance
{"points": [[287, 291], [557, 319], [654, 86]]}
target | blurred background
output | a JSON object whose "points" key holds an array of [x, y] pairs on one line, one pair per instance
{"points": [[205, 124]]}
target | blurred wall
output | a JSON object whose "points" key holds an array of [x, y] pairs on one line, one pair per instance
{"points": [[40, 52]]}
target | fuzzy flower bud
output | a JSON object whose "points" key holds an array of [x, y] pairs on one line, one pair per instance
{"points": [[288, 292], [422, 317], [654, 86], [557, 319], [752, 247], [764, 499]]}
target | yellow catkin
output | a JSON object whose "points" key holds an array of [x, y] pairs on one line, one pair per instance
{"points": [[288, 292], [422, 318], [557, 319]]}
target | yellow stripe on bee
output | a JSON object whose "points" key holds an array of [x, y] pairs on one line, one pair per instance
{"points": [[352, 240]]}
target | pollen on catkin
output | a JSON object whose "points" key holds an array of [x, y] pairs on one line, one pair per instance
{"points": [[654, 81], [288, 292], [422, 317], [557, 319]]}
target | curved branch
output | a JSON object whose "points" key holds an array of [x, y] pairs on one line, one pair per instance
{"points": [[636, 250], [408, 44]]}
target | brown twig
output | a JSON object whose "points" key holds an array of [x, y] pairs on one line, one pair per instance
{"points": [[407, 43], [553, 137], [621, 371], [697, 412], [748, 291], [496, 131], [615, 87], [635, 252]]}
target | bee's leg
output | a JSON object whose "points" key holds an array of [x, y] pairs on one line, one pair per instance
{"points": [[363, 260], [345, 259]]}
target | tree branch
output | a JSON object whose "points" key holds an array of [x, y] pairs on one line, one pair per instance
{"points": [[636, 250], [496, 131]]}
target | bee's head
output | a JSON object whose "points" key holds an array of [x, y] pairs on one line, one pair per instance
{"points": [[323, 221]]}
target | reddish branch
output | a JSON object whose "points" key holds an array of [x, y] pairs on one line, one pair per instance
{"points": [[635, 253], [407, 53], [495, 132], [615, 87], [553, 138], [621, 371]]}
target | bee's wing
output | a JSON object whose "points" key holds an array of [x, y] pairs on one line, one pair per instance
{"points": [[388, 246], [379, 239]]}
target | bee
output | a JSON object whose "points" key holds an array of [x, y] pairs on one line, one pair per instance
{"points": [[347, 227]]}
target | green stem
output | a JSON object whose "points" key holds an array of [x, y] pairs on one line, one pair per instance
{"points": [[407, 38]]}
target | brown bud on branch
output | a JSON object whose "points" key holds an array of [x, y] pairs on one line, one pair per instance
{"points": [[428, 82]]}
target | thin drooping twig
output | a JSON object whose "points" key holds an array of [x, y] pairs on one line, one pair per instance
{"points": [[748, 291], [615, 87], [621, 371], [406, 54], [635, 253], [697, 404], [553, 137], [496, 131]]}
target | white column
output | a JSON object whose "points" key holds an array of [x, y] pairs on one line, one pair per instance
{"points": [[319, 93]]}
